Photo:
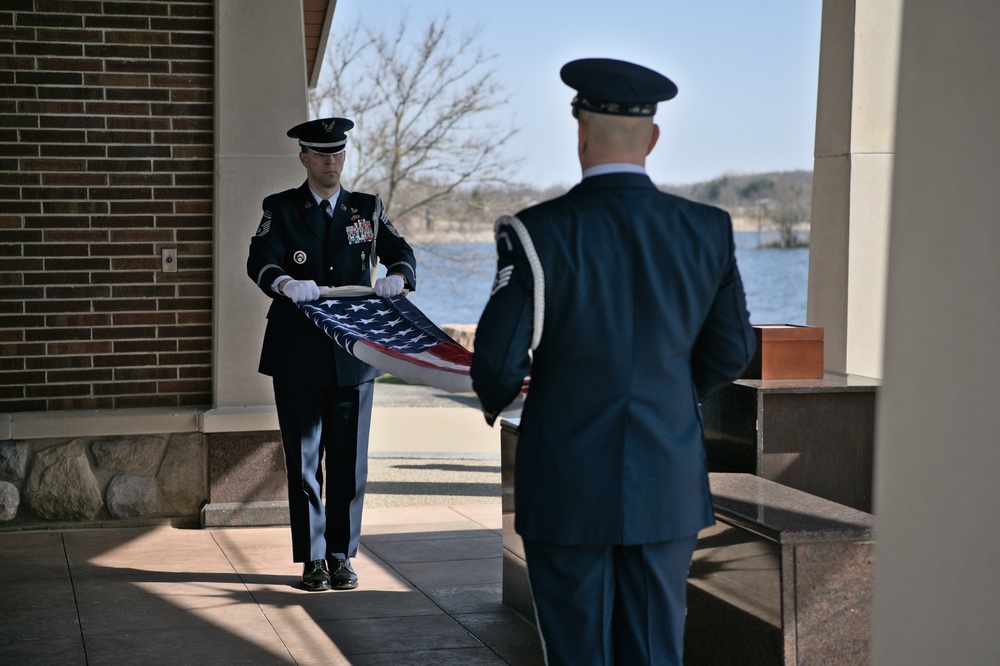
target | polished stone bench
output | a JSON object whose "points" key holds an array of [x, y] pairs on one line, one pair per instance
{"points": [[817, 435], [784, 577]]}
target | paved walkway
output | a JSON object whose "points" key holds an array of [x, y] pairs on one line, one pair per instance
{"points": [[429, 594], [429, 569]]}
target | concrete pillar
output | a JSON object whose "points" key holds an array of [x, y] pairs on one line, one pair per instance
{"points": [[937, 579], [260, 93], [851, 180]]}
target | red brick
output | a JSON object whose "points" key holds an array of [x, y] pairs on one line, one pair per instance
{"points": [[79, 348], [137, 66], [57, 362], [194, 372], [136, 37], [132, 346], [126, 178], [60, 250], [75, 291], [79, 121], [136, 8], [193, 331], [137, 123], [120, 249], [183, 24], [68, 6], [83, 264], [141, 236], [204, 67], [118, 22], [124, 305], [136, 263], [34, 405], [152, 373], [176, 52], [57, 335], [185, 386], [70, 64], [154, 399], [122, 277], [56, 390], [38, 19], [118, 387], [145, 291], [84, 179], [76, 36], [190, 354], [72, 208], [89, 320], [120, 50], [111, 80], [203, 10], [124, 360], [60, 404], [119, 165], [60, 150], [11, 364], [181, 152], [54, 164], [139, 151], [125, 333], [51, 306], [45, 48], [79, 376]]}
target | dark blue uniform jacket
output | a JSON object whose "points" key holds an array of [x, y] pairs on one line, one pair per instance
{"points": [[642, 315], [295, 239]]}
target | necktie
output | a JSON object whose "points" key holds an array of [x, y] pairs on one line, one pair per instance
{"points": [[327, 208]]}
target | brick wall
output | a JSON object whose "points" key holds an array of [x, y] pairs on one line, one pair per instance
{"points": [[106, 158]]}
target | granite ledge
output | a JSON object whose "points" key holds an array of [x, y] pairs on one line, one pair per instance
{"points": [[785, 515], [832, 382]]}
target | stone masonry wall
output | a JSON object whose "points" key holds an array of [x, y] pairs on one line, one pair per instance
{"points": [[88, 481], [106, 159]]}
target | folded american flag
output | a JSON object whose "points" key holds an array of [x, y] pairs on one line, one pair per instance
{"points": [[392, 335]]}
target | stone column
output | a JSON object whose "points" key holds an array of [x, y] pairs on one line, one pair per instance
{"points": [[852, 180], [937, 578], [260, 92]]}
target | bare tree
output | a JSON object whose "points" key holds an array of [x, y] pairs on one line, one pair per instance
{"points": [[422, 100]]}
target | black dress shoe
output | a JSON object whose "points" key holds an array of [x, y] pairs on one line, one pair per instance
{"points": [[315, 576], [343, 576]]}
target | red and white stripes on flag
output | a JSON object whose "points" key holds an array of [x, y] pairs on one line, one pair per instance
{"points": [[392, 335]]}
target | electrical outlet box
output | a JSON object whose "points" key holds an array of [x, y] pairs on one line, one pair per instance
{"points": [[168, 258]]}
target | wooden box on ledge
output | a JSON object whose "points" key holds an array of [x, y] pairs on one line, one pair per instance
{"points": [[787, 351]]}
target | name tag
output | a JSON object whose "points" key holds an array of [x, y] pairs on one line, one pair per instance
{"points": [[360, 232]]}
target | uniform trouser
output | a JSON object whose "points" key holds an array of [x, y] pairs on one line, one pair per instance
{"points": [[603, 605], [334, 422]]}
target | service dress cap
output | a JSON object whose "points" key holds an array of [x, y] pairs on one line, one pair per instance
{"points": [[616, 87], [324, 135]]}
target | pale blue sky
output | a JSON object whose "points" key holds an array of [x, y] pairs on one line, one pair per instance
{"points": [[746, 71]]}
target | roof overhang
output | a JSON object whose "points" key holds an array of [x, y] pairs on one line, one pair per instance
{"points": [[317, 16]]}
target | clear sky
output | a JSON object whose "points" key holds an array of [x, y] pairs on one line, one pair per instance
{"points": [[746, 71]]}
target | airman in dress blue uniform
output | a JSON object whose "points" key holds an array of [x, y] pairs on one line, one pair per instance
{"points": [[321, 234], [625, 306]]}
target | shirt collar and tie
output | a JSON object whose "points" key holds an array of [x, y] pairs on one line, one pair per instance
{"points": [[326, 205]]}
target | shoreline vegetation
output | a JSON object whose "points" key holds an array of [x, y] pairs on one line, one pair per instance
{"points": [[768, 202]]}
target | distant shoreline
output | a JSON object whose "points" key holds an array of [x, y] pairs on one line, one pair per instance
{"points": [[484, 234]]}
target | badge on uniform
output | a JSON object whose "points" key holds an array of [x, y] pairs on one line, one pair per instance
{"points": [[299, 257], [360, 232]]}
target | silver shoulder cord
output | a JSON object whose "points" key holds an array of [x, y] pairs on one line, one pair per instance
{"points": [[537, 274]]}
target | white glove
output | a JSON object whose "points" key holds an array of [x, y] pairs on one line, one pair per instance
{"points": [[300, 290], [390, 285]]}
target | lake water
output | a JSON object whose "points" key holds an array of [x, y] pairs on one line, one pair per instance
{"points": [[451, 291]]}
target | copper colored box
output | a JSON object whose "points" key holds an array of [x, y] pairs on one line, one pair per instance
{"points": [[787, 351]]}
